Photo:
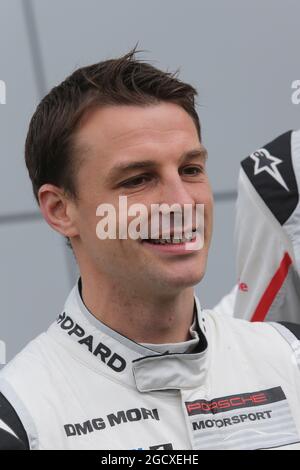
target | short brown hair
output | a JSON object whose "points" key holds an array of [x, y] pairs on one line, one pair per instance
{"points": [[122, 81]]}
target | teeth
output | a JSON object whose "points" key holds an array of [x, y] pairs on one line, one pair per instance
{"points": [[173, 241], [177, 240]]}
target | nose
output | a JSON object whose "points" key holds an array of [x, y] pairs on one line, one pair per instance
{"points": [[175, 191], [175, 195]]}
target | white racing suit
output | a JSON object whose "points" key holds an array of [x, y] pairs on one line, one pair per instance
{"points": [[268, 234], [82, 385]]}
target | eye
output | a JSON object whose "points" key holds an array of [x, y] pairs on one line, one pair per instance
{"points": [[192, 170], [136, 181]]}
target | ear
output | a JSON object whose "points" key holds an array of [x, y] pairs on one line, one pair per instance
{"points": [[58, 209]]}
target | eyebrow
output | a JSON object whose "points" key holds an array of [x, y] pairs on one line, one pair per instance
{"points": [[125, 167]]}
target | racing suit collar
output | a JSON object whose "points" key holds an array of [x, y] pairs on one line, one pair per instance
{"points": [[113, 354]]}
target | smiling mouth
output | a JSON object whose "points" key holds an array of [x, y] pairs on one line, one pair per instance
{"points": [[171, 240]]}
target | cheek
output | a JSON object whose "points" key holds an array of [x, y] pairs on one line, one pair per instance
{"points": [[205, 197], [208, 210], [87, 222], [208, 218]]}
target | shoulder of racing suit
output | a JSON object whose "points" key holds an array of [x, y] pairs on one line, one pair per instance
{"points": [[292, 327], [291, 334], [48, 359], [279, 192], [12, 433]]}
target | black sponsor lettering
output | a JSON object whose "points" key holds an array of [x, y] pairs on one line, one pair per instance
{"points": [[199, 425], [112, 360], [119, 418], [146, 413], [98, 424], [210, 423], [227, 422], [77, 330], [134, 415], [83, 428], [88, 341], [117, 363], [67, 323], [88, 426], [70, 430], [60, 317], [103, 351], [162, 447], [150, 413], [235, 420], [252, 417], [125, 416]]}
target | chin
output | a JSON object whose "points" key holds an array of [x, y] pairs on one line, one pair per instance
{"points": [[184, 280]]}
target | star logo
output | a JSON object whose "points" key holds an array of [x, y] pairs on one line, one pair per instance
{"points": [[264, 161]]}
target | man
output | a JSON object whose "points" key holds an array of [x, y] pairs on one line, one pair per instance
{"points": [[268, 234], [132, 361]]}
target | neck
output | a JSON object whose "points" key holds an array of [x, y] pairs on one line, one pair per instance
{"points": [[155, 319]]}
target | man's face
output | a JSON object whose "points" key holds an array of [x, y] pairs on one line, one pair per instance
{"points": [[161, 135]]}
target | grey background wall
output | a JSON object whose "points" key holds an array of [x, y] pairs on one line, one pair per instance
{"points": [[241, 55]]}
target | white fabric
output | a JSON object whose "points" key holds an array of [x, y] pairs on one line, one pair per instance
{"points": [[261, 244], [182, 347], [85, 386]]}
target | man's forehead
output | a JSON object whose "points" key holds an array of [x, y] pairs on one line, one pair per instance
{"points": [[115, 126], [148, 141]]}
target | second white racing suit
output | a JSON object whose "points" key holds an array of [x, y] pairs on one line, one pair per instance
{"points": [[268, 234]]}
